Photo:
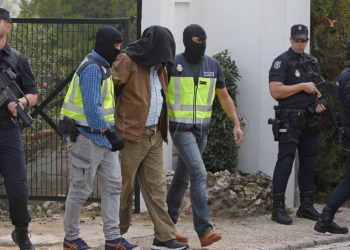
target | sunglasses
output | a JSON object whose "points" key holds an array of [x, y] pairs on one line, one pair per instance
{"points": [[300, 41]]}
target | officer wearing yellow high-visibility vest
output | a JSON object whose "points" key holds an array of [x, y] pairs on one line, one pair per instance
{"points": [[73, 102], [87, 123], [195, 79]]}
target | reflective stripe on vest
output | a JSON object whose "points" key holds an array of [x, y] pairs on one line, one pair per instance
{"points": [[73, 103], [189, 103]]}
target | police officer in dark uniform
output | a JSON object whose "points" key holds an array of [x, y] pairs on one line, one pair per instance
{"points": [[341, 194], [293, 87], [12, 166]]}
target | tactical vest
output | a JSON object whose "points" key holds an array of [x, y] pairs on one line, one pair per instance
{"points": [[10, 61], [300, 99], [344, 108], [190, 102], [73, 102]]}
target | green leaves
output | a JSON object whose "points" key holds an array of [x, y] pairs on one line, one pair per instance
{"points": [[330, 27], [221, 151], [78, 8]]}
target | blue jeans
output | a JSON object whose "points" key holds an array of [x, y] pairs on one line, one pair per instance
{"points": [[341, 193], [190, 168]]}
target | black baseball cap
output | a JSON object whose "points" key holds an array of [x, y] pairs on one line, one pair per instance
{"points": [[299, 32], [4, 14]]}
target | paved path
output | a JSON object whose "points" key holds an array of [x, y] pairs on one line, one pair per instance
{"points": [[257, 232], [338, 242], [335, 246]]}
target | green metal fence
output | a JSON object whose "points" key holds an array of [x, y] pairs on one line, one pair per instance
{"points": [[55, 48]]}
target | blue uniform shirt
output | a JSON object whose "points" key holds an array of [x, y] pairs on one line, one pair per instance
{"points": [[343, 95], [285, 69], [23, 68], [26, 82]]}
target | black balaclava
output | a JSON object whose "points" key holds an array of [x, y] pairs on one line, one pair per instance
{"points": [[155, 47], [106, 37], [194, 51]]}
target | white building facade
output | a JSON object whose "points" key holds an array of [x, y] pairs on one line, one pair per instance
{"points": [[255, 32]]}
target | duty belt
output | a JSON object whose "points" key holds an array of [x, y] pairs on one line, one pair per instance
{"points": [[89, 130], [286, 111]]}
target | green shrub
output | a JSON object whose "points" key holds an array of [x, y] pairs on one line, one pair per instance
{"points": [[236, 212], [221, 151], [330, 27]]}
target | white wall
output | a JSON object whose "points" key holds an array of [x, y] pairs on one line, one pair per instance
{"points": [[255, 31]]}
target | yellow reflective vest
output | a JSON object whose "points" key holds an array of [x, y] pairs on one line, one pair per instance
{"points": [[73, 102], [190, 102]]}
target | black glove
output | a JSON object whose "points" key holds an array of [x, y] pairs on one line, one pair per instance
{"points": [[113, 137]]}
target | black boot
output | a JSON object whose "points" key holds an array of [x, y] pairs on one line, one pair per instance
{"points": [[279, 213], [20, 237], [326, 224], [306, 209]]}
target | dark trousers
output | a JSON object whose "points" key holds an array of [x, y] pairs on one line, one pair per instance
{"points": [[342, 192], [307, 150], [12, 169]]}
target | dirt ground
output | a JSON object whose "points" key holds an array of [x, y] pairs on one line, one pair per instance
{"points": [[238, 233]]}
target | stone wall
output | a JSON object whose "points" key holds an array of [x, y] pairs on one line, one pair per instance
{"points": [[229, 193]]}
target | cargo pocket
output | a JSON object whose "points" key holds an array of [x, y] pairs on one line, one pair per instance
{"points": [[79, 169]]}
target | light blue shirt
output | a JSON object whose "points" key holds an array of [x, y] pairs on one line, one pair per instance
{"points": [[156, 98]]}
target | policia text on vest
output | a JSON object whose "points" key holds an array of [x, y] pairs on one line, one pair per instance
{"points": [[7, 77]]}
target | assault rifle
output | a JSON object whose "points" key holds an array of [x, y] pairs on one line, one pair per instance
{"points": [[7, 77], [326, 89]]}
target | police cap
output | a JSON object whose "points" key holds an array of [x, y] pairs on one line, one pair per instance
{"points": [[4, 14], [299, 32]]}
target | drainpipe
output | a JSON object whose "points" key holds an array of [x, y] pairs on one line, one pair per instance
{"points": [[137, 187]]}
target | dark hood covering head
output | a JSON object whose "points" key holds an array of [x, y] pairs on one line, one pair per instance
{"points": [[106, 37], [156, 46], [194, 51]]}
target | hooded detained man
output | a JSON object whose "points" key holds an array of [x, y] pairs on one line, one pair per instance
{"points": [[141, 80], [194, 80], [89, 108]]}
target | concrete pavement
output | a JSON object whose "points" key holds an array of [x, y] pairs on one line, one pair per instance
{"points": [[256, 232], [338, 242]]}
